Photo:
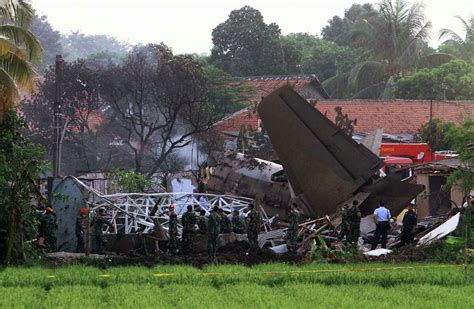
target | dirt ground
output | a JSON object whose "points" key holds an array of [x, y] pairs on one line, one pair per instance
{"points": [[232, 253]]}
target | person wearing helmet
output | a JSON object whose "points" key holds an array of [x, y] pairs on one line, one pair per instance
{"points": [[47, 230], [80, 227]]}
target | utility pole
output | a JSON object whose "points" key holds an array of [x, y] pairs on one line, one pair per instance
{"points": [[57, 125]]}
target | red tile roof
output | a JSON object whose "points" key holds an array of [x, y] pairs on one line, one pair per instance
{"points": [[394, 116], [397, 116], [263, 85], [308, 85]]}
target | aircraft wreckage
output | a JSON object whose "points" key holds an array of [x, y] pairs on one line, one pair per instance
{"points": [[322, 166]]}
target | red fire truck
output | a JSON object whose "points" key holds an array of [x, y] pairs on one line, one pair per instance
{"points": [[399, 156]]}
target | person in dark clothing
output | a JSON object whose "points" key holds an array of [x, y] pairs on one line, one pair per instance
{"points": [[238, 222], [345, 223], [354, 223], [213, 230], [99, 222], [48, 227], [188, 220], [202, 222], [81, 220], [409, 225], [382, 220], [226, 223], [173, 230]]}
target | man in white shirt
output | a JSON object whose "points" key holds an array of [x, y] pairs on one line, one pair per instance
{"points": [[382, 220]]}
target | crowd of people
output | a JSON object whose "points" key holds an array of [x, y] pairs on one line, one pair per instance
{"points": [[217, 222], [351, 218], [212, 225]]}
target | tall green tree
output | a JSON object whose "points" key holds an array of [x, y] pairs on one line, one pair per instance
{"points": [[21, 164], [450, 81], [245, 45], [462, 138], [434, 133], [19, 48], [395, 39], [454, 43], [338, 29]]}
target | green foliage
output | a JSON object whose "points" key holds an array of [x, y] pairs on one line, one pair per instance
{"points": [[227, 94], [328, 59], [19, 49], [462, 140], [435, 134], [130, 181], [394, 40], [456, 45], [450, 81], [338, 29], [245, 45], [20, 167]]}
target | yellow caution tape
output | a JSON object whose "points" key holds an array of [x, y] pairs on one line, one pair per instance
{"points": [[320, 270], [307, 271]]}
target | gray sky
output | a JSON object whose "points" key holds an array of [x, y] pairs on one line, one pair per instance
{"points": [[186, 26]]}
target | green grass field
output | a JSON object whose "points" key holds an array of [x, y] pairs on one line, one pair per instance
{"points": [[263, 286]]}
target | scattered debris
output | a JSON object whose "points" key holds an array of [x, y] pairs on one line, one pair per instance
{"points": [[441, 231], [378, 252]]}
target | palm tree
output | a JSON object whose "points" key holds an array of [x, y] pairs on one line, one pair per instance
{"points": [[463, 47], [395, 41], [18, 50]]}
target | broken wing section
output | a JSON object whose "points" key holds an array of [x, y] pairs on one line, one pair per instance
{"points": [[324, 165]]}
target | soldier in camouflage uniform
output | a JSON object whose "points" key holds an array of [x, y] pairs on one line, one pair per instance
{"points": [[354, 223], [226, 223], [173, 230], [47, 230], [213, 230], [202, 222], [345, 222], [98, 222], [254, 222], [238, 222], [80, 227], [188, 221], [292, 233]]}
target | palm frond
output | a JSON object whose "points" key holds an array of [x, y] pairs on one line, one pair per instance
{"points": [[23, 37], [9, 93], [365, 74], [451, 36], [467, 27], [371, 92], [389, 89], [337, 86], [20, 69]]}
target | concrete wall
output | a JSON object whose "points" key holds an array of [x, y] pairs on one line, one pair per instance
{"points": [[425, 207]]}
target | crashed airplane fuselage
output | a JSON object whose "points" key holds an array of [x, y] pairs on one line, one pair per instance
{"points": [[325, 167], [238, 174]]}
